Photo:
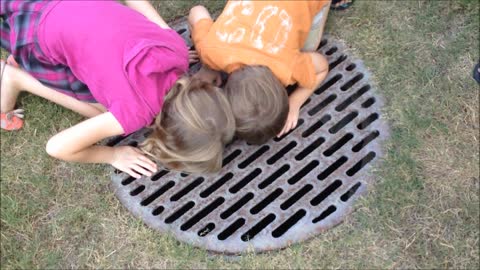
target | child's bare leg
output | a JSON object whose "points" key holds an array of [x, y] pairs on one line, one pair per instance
{"points": [[15, 80], [316, 30]]}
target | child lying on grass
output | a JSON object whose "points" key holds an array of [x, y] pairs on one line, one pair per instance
{"points": [[120, 69]]}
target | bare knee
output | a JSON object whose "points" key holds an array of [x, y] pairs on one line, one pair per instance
{"points": [[197, 13]]}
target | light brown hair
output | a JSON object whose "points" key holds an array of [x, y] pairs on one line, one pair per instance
{"points": [[259, 103], [190, 133]]}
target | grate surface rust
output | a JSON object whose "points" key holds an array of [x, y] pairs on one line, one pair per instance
{"points": [[290, 189]]}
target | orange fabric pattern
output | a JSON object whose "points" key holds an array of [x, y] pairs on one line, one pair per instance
{"points": [[269, 33]]}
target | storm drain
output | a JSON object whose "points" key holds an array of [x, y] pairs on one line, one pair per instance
{"points": [[292, 188]]}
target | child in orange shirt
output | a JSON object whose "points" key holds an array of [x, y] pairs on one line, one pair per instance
{"points": [[264, 46]]}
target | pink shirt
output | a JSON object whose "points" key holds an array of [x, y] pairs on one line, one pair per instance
{"points": [[127, 62]]}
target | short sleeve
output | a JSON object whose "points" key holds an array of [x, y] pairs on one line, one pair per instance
{"points": [[200, 31], [131, 115], [304, 71]]}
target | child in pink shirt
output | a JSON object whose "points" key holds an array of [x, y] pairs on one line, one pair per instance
{"points": [[111, 63]]}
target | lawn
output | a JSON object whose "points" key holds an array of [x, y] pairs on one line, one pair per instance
{"points": [[422, 212]]}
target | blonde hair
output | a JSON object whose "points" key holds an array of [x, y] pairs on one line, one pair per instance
{"points": [[190, 133], [259, 103]]}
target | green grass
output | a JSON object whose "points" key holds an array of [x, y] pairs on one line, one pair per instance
{"points": [[422, 212]]}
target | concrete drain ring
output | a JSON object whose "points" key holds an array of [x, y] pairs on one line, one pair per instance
{"points": [[292, 188]]}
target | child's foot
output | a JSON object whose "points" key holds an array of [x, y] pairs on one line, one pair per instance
{"points": [[341, 4], [11, 120]]}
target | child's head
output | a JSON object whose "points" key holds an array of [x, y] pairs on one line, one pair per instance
{"points": [[195, 123], [259, 103]]}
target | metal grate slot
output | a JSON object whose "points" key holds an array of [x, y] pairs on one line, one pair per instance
{"points": [[353, 81], [335, 63], [369, 102], [137, 191], [351, 67], [325, 214], [322, 105], [157, 211], [339, 162], [181, 31], [203, 213], [299, 175], [159, 175], [299, 124], [359, 165], [328, 84], [239, 204], [309, 149], [250, 234], [337, 145], [231, 229], [231, 157], [220, 182], [290, 222], [281, 153], [370, 119], [322, 43], [247, 179], [158, 193], [342, 106], [295, 197], [265, 202], [331, 51], [180, 212], [342, 123], [177, 196], [365, 141], [114, 141], [325, 193], [206, 230], [316, 126], [254, 156], [128, 180], [265, 183], [350, 192]]}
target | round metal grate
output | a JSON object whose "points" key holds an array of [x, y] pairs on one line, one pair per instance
{"points": [[269, 196]]}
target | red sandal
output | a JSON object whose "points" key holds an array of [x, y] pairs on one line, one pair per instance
{"points": [[11, 120]]}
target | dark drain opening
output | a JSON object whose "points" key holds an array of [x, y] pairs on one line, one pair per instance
{"points": [[206, 230], [359, 165], [231, 229], [350, 192], [370, 119], [203, 213], [290, 222], [353, 81], [281, 153], [216, 185], [159, 175], [137, 191], [365, 141], [299, 123], [157, 193], [347, 119], [328, 84], [369, 102], [351, 67], [314, 145], [187, 189], [265, 202], [253, 157], [231, 157], [157, 211], [325, 214], [326, 192], [128, 180], [339, 60], [331, 51], [236, 206], [265, 183], [339, 162], [247, 179], [250, 234], [352, 98], [316, 126], [337, 145], [295, 197], [180, 212], [299, 175]]}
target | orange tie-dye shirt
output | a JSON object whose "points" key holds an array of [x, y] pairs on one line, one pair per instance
{"points": [[269, 33]]}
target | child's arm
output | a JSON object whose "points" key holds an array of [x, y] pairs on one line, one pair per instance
{"points": [[77, 144], [301, 94], [147, 10]]}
